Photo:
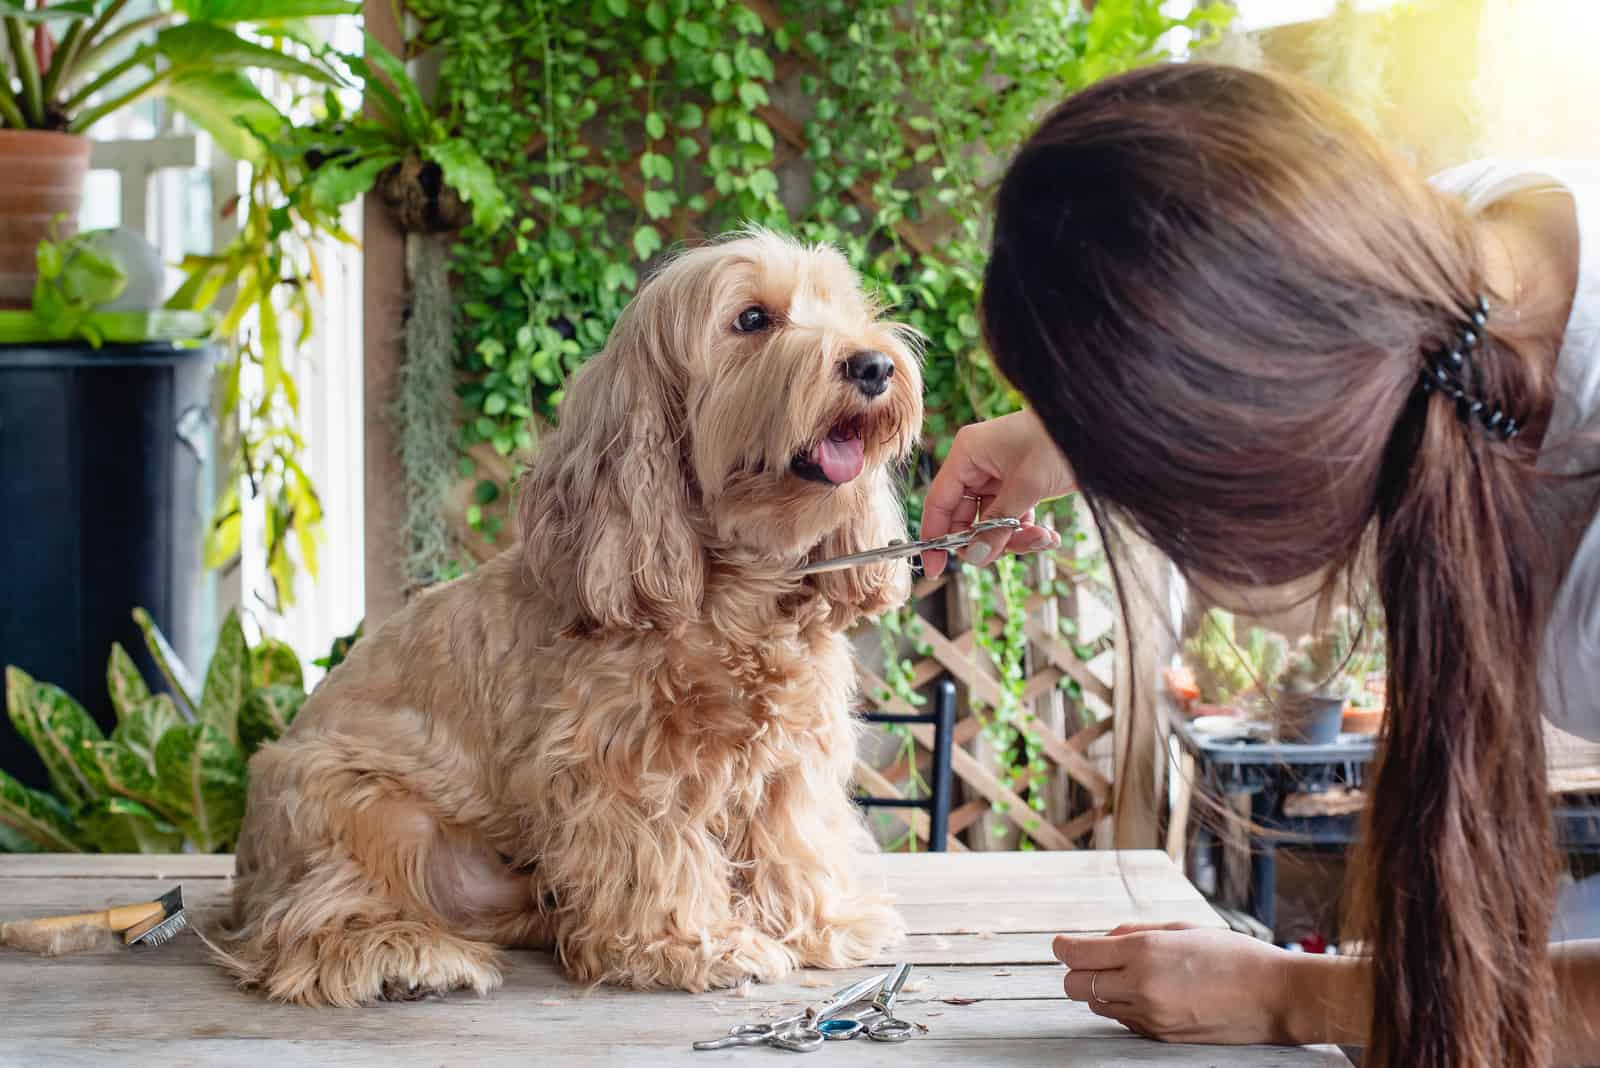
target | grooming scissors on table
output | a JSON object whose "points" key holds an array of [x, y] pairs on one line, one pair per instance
{"points": [[956, 539], [808, 1030], [886, 1027]]}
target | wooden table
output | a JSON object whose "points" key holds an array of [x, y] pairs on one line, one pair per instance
{"points": [[981, 924]]}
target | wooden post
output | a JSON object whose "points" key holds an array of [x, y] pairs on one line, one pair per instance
{"points": [[383, 308]]}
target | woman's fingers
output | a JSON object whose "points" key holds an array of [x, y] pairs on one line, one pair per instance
{"points": [[1011, 500], [1090, 953], [1097, 988], [1135, 928]]}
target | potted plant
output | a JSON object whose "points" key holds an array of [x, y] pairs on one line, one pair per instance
{"points": [[71, 63], [433, 180], [1229, 676], [1327, 671]]}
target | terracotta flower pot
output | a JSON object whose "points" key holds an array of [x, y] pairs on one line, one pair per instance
{"points": [[1362, 720], [42, 177]]}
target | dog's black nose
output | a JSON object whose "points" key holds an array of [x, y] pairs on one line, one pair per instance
{"points": [[870, 371]]}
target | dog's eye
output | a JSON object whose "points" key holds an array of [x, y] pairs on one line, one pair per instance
{"points": [[752, 320]]}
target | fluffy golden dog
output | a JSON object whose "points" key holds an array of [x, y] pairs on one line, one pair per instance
{"points": [[629, 738]]}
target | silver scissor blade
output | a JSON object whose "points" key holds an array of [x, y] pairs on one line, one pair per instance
{"points": [[854, 994], [954, 540], [871, 556]]}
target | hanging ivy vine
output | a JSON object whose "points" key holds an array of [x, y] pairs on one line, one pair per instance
{"points": [[621, 128]]}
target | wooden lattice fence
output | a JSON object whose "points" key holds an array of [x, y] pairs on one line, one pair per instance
{"points": [[1067, 806]]}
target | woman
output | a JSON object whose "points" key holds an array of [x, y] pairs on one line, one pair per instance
{"points": [[1255, 337]]}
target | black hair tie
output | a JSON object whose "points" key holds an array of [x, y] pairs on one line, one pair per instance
{"points": [[1449, 371]]}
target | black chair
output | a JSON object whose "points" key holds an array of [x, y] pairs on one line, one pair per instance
{"points": [[937, 803]]}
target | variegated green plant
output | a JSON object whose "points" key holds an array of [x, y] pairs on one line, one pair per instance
{"points": [[171, 776]]}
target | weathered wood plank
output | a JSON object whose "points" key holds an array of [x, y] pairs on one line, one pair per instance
{"points": [[115, 865], [914, 866], [952, 916], [536, 1009], [597, 1049]]}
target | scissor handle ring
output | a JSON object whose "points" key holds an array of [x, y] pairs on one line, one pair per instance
{"points": [[840, 1030], [891, 1029], [798, 1039], [750, 1030]]}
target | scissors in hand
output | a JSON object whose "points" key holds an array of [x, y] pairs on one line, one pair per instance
{"points": [[799, 1033], [956, 539]]}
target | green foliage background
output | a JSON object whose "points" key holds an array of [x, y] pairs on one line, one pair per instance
{"points": [[573, 103]]}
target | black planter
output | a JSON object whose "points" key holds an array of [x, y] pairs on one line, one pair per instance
{"points": [[101, 510]]}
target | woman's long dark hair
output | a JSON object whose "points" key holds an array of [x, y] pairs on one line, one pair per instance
{"points": [[1217, 291]]}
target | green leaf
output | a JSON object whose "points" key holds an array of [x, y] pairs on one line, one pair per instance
{"points": [[655, 13], [466, 173], [618, 8], [658, 203], [655, 125], [55, 12], [267, 714], [127, 687], [413, 109], [37, 817], [128, 775], [227, 680], [646, 242], [222, 540], [201, 775], [60, 731], [119, 825], [14, 841], [339, 649], [228, 106], [141, 731], [175, 671], [275, 664], [263, 10], [335, 184], [695, 33], [204, 47], [752, 95]]}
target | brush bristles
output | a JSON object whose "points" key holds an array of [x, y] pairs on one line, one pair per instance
{"points": [[163, 931]]}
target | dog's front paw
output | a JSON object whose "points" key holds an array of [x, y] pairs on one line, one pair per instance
{"points": [[853, 936], [749, 955]]}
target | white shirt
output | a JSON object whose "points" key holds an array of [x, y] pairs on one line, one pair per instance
{"points": [[1571, 668]]}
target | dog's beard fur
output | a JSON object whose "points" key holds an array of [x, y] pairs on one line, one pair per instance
{"points": [[629, 738]]}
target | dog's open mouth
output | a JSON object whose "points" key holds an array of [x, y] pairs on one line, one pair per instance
{"points": [[836, 459]]}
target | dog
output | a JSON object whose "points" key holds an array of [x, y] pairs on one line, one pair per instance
{"points": [[629, 737]]}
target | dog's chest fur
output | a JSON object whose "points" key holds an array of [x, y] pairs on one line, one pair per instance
{"points": [[695, 724]]}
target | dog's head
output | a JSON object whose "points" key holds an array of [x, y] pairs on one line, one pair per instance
{"points": [[750, 397]]}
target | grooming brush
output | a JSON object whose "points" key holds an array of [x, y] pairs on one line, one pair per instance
{"points": [[149, 923]]}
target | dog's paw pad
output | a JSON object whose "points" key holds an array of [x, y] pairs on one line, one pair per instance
{"points": [[400, 990]]}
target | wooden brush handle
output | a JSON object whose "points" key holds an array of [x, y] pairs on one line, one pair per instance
{"points": [[118, 919]]}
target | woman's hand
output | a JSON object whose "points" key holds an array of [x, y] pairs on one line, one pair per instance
{"points": [[1176, 983], [1006, 466]]}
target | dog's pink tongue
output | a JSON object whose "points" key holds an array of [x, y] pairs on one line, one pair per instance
{"points": [[840, 459]]}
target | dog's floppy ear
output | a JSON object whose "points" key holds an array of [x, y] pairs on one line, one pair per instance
{"points": [[854, 592], [606, 509]]}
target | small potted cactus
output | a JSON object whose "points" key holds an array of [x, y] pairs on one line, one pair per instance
{"points": [[1227, 676], [1325, 673]]}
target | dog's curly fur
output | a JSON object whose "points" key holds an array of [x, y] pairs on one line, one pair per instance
{"points": [[629, 738]]}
